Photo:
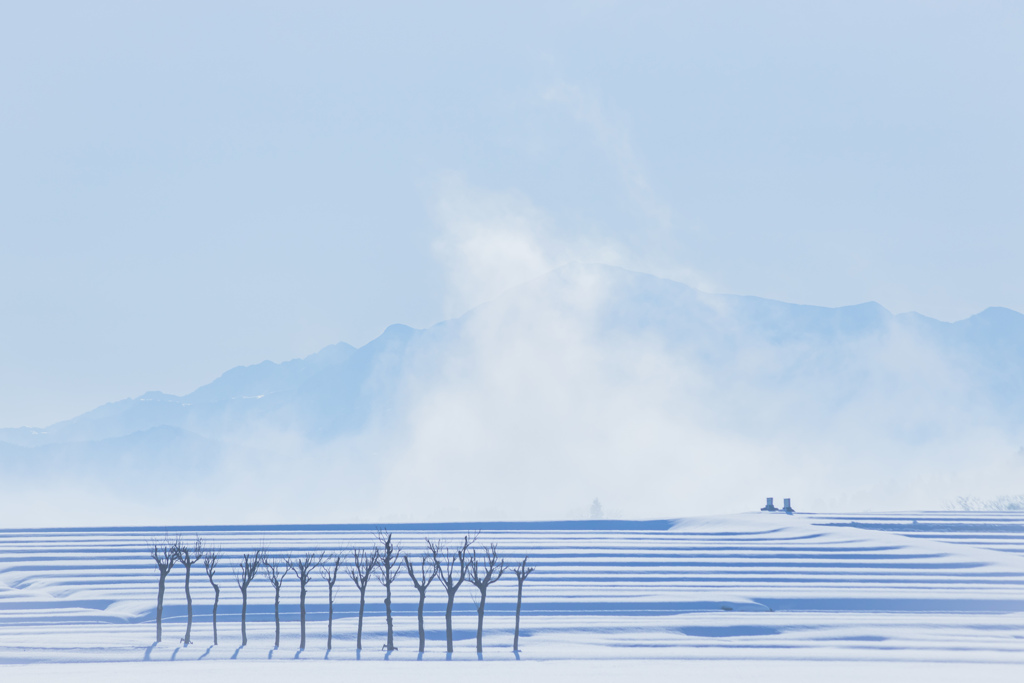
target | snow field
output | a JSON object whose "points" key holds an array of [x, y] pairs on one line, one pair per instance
{"points": [[825, 595], [563, 671]]}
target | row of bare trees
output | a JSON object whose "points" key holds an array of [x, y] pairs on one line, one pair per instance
{"points": [[450, 565]]}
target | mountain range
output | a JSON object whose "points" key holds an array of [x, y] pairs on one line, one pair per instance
{"points": [[588, 355]]}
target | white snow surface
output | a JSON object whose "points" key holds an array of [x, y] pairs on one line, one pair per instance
{"points": [[758, 596]]}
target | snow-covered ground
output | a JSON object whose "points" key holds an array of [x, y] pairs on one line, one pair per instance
{"points": [[763, 596]]}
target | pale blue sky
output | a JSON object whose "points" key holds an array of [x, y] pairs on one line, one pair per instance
{"points": [[185, 187]]}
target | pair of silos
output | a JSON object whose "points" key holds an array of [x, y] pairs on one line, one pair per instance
{"points": [[787, 507]]}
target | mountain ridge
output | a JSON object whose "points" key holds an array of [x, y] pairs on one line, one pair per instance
{"points": [[336, 388], [588, 381]]}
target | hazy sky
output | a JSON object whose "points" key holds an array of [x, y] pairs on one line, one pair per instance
{"points": [[191, 186]]}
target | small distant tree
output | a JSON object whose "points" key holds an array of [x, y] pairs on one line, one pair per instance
{"points": [[427, 572], [188, 555], [275, 569], [164, 556], [303, 567], [329, 571], [521, 571], [389, 565], [483, 572], [451, 572], [363, 564], [210, 560], [247, 568]]}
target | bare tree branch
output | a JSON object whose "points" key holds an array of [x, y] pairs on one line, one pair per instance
{"points": [[521, 571], [364, 562], [248, 566], [188, 555], [303, 568], [389, 565], [446, 560], [427, 573], [329, 572], [164, 556], [211, 558], [276, 569], [482, 574]]}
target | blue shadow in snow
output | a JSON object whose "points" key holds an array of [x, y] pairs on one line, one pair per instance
{"points": [[563, 525], [729, 631]]}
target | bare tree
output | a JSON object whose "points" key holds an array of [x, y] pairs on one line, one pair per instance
{"points": [[246, 572], [363, 564], [482, 574], [421, 582], [303, 567], [164, 556], [445, 561], [210, 560], [329, 572], [521, 571], [188, 555], [275, 570], [389, 566]]}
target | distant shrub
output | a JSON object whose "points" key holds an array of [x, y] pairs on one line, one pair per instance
{"points": [[999, 504]]}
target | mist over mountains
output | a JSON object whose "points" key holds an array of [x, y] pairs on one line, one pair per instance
{"points": [[591, 381]]}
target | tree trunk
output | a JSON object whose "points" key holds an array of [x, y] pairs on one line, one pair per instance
{"points": [[359, 628], [216, 599], [387, 608], [188, 598], [244, 600], [419, 614], [302, 617], [330, 615], [480, 621], [448, 619], [519, 604], [277, 617], [160, 608]]}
